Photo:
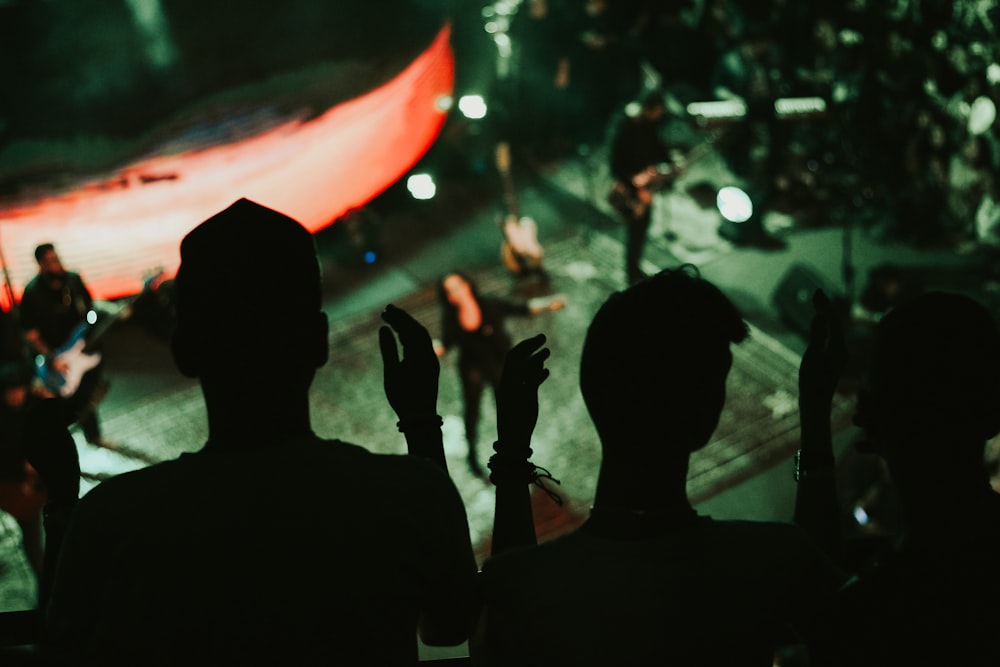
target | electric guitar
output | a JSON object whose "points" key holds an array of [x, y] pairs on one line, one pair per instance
{"points": [[635, 199], [77, 355], [520, 249]]}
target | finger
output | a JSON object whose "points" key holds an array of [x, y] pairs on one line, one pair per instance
{"points": [[410, 331], [542, 355], [526, 347], [387, 345]]}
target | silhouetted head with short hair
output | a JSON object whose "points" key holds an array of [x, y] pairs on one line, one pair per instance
{"points": [[249, 296], [654, 364], [934, 381]]}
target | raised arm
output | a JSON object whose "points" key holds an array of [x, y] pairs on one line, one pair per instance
{"points": [[52, 453], [816, 508], [411, 383], [510, 469]]}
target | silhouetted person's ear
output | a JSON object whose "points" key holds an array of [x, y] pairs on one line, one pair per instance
{"points": [[187, 352]]}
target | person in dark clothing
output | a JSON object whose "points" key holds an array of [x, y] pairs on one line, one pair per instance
{"points": [[214, 557], [647, 580], [930, 405], [55, 308], [474, 324], [637, 150]]}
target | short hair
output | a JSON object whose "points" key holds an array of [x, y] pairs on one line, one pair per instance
{"points": [[41, 249], [665, 338], [248, 260]]}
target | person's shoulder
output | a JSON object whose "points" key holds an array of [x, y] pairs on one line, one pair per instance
{"points": [[32, 285], [784, 541], [535, 556], [412, 469]]}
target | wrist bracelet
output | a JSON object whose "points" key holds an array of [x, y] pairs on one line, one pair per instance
{"points": [[800, 473], [423, 421]]}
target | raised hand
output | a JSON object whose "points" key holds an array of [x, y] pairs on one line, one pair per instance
{"points": [[411, 382], [825, 357], [517, 396]]}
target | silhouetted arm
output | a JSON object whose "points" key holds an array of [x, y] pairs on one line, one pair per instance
{"points": [[52, 453], [510, 470], [816, 508], [411, 383]]}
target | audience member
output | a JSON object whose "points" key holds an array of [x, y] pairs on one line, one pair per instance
{"points": [[930, 407], [270, 544], [647, 580]]}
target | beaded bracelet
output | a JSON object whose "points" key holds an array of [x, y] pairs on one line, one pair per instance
{"points": [[423, 421]]}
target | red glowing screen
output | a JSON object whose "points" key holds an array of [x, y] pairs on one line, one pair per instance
{"points": [[312, 170]]}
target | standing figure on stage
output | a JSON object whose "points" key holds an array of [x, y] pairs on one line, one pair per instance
{"points": [[637, 151], [55, 304], [475, 325]]}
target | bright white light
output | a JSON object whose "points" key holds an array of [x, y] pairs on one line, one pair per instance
{"points": [[993, 73], [91, 317], [734, 204], [861, 516], [472, 106], [444, 103], [504, 46], [421, 186]]}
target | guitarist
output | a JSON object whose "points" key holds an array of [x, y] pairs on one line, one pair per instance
{"points": [[636, 150], [54, 303]]}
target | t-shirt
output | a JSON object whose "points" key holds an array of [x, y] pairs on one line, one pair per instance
{"points": [[55, 312], [706, 593], [310, 551]]}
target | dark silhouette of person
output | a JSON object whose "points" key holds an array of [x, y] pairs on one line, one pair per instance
{"points": [[930, 405], [475, 324], [270, 544], [646, 580]]}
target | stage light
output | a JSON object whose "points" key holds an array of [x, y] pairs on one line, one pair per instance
{"points": [[421, 186], [734, 204], [370, 257], [472, 106], [861, 516], [91, 317], [444, 103]]}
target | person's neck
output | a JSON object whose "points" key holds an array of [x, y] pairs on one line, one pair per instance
{"points": [[265, 416], [635, 501]]}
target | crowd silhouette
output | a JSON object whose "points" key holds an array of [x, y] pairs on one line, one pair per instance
{"points": [[214, 557], [210, 557]]}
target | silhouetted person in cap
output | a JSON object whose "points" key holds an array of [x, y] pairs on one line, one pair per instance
{"points": [[646, 580], [270, 544], [932, 402]]}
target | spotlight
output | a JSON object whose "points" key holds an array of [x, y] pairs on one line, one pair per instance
{"points": [[370, 257], [444, 103], [861, 516], [472, 106], [421, 186], [734, 204], [91, 317]]}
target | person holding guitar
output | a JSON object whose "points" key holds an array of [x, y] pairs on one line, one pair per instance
{"points": [[636, 151], [54, 305]]}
